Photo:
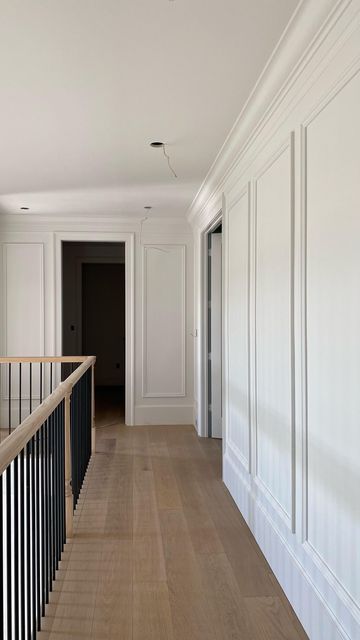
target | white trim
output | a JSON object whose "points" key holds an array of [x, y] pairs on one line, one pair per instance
{"points": [[128, 239]]}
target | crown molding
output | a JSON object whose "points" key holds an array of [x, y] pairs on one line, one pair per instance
{"points": [[37, 222], [308, 27]]}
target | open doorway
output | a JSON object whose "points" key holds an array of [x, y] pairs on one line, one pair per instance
{"points": [[93, 311], [214, 332]]}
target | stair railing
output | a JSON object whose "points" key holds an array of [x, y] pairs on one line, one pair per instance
{"points": [[43, 462]]}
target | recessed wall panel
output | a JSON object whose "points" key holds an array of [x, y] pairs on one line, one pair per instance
{"points": [[164, 321], [24, 299], [333, 339], [238, 327], [274, 400]]}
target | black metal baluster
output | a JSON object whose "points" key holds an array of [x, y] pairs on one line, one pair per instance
{"points": [[89, 411], [20, 392], [22, 544], [30, 390], [33, 536], [51, 377], [16, 548], [60, 478], [89, 373], [48, 509], [38, 530], [9, 385], [9, 547], [1, 561], [54, 495], [49, 505], [80, 431], [52, 511], [63, 474], [73, 443], [28, 540], [41, 382], [43, 525]]}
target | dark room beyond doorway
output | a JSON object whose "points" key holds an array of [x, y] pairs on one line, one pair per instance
{"points": [[94, 318]]}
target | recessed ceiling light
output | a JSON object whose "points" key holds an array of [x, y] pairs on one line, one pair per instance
{"points": [[24, 208]]}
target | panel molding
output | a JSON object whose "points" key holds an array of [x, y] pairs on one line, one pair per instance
{"points": [[6, 246], [244, 192], [180, 393], [288, 518], [311, 552]]}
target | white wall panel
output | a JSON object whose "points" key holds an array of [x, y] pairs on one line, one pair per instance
{"points": [[238, 327], [164, 321], [274, 334], [333, 345], [24, 305]]}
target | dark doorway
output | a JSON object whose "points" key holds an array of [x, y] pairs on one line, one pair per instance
{"points": [[94, 318], [103, 329]]}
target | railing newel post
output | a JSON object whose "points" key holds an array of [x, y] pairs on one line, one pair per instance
{"points": [[68, 471]]}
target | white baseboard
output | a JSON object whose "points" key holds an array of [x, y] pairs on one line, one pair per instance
{"points": [[164, 414], [319, 622]]}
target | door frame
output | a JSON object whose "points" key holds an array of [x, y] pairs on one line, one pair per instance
{"points": [[94, 236], [218, 219]]}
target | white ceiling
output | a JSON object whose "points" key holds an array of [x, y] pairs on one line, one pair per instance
{"points": [[86, 85]]}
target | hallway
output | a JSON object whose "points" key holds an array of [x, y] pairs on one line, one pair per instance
{"points": [[160, 551]]}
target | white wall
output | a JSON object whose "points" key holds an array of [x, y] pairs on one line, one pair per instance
{"points": [[163, 322], [288, 182]]}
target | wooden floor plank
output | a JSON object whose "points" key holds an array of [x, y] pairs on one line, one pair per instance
{"points": [[152, 616], [270, 620]]}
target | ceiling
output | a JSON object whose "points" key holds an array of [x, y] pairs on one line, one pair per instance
{"points": [[86, 85]]}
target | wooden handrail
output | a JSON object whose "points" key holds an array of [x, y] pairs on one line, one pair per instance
{"points": [[18, 439], [35, 359]]}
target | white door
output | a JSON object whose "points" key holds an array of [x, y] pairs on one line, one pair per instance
{"points": [[215, 355]]}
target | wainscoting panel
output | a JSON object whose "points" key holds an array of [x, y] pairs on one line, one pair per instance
{"points": [[274, 429], [238, 328], [164, 281], [23, 307], [332, 166]]}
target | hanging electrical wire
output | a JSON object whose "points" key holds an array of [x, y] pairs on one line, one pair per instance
{"points": [[169, 162], [161, 145]]}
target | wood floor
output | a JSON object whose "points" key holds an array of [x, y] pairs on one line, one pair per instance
{"points": [[160, 551]]}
